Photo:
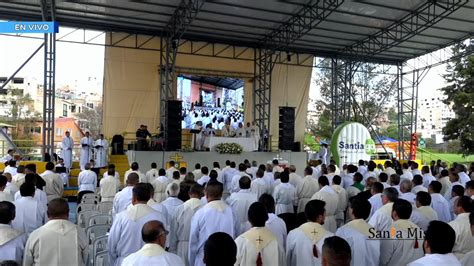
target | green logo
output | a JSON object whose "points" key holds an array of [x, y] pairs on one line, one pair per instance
{"points": [[370, 146]]}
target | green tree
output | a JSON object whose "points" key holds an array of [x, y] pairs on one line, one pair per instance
{"points": [[91, 119], [460, 96], [369, 89]]}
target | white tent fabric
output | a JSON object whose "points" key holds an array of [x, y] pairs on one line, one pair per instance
{"points": [[131, 86]]}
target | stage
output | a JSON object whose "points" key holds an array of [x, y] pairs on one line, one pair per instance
{"points": [[145, 158]]}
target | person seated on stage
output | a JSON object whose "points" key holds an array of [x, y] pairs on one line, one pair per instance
{"points": [[228, 131], [241, 131]]}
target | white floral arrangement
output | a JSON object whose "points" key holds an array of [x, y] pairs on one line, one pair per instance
{"points": [[230, 148], [186, 148]]}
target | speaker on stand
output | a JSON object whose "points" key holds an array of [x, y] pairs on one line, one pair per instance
{"points": [[286, 134], [173, 125]]}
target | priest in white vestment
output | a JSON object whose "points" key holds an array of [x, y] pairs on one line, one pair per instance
{"points": [[202, 226], [438, 246], [87, 179], [328, 195], [12, 241], [306, 189], [101, 152], [172, 202], [240, 202], [124, 236], [259, 186], [181, 223], [438, 202], [418, 184], [4, 195], [30, 214], [255, 135], [295, 179], [236, 178], [153, 252], [382, 218], [134, 168], [357, 233], [39, 195], [376, 199], [258, 246], [109, 186], [427, 176], [226, 177], [405, 243], [285, 195], [171, 170], [342, 199], [124, 198], [274, 223], [87, 145], [445, 183], [304, 244], [19, 178], [58, 242], [152, 174], [159, 184], [426, 214], [66, 150], [464, 239], [54, 184]]}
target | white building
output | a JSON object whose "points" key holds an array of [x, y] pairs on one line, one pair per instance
{"points": [[15, 89], [433, 115]]}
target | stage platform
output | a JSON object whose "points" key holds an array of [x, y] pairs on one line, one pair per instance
{"points": [[189, 159]]}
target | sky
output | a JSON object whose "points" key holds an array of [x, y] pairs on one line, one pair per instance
{"points": [[74, 62]]}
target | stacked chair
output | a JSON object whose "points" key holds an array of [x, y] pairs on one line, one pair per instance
{"points": [[95, 219]]}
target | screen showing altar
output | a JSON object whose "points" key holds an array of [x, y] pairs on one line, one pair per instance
{"points": [[210, 101]]}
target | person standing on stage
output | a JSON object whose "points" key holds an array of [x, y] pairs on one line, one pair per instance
{"points": [[86, 149], [255, 135], [101, 150], [67, 146]]}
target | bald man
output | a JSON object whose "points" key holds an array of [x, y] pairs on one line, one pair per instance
{"points": [[124, 198], [124, 236], [153, 252], [58, 242]]}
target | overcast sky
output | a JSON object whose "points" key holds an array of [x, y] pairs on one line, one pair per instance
{"points": [[74, 62]]}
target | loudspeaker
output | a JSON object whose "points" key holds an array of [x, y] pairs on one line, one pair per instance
{"points": [[200, 100], [173, 125], [219, 102], [286, 128], [296, 146]]}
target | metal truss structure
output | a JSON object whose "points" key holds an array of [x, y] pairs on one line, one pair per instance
{"points": [[265, 58], [49, 91], [342, 94], [179, 22]]}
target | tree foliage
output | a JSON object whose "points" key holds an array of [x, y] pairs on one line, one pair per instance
{"points": [[91, 119], [460, 96], [370, 89]]}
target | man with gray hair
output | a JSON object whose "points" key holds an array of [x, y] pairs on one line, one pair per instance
{"points": [[405, 191], [153, 252], [382, 218], [172, 202], [295, 179]]}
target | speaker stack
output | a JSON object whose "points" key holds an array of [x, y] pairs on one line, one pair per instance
{"points": [[173, 125], [286, 137]]}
